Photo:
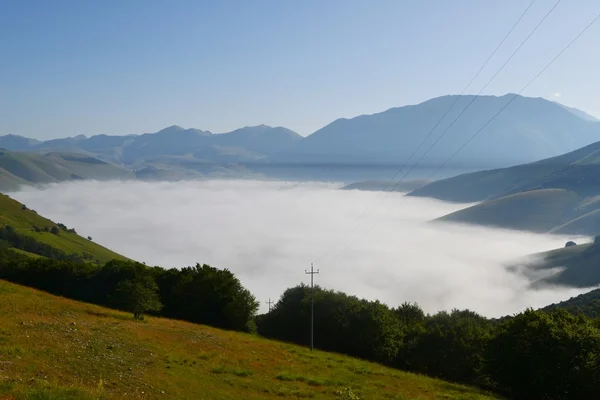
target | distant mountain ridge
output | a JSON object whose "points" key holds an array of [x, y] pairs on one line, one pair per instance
{"points": [[258, 141], [363, 148], [528, 129]]}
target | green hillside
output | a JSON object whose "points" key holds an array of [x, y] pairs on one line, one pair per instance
{"points": [[18, 168], [588, 224], [54, 348], [537, 210], [587, 304], [579, 266], [28, 223], [578, 171]]}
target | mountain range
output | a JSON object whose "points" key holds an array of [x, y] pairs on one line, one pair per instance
{"points": [[366, 147], [528, 129]]}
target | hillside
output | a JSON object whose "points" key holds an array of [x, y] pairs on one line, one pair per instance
{"points": [[530, 196], [18, 168], [577, 266], [404, 186], [541, 128], [28, 223], [536, 210], [587, 304], [578, 171], [51, 347]]}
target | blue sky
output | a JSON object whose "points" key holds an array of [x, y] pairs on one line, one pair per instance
{"points": [[120, 67]]}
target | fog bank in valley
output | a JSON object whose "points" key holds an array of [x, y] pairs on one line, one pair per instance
{"points": [[268, 233]]}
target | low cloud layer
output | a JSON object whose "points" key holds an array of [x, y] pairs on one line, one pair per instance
{"points": [[268, 233]]}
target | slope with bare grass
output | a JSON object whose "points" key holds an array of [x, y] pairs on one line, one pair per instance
{"points": [[24, 221], [54, 348]]}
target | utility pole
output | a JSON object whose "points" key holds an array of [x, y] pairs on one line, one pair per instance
{"points": [[269, 303], [312, 304]]}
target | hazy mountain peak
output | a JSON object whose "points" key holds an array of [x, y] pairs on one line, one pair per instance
{"points": [[176, 129], [581, 114]]}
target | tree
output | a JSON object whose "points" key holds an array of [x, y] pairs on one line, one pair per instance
{"points": [[451, 346], [343, 323], [208, 296], [138, 295], [54, 230], [546, 355]]}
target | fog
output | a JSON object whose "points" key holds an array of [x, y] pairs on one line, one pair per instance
{"points": [[268, 233]]}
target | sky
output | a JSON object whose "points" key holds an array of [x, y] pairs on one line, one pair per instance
{"points": [[268, 233], [122, 67]]}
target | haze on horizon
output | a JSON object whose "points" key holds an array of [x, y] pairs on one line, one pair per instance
{"points": [[116, 67], [268, 233]]}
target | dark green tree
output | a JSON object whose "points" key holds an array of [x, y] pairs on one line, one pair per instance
{"points": [[138, 295], [450, 346], [209, 296], [546, 355]]}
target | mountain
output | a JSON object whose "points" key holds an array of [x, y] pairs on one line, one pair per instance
{"points": [[579, 113], [14, 142], [528, 129], [17, 168], [363, 148], [240, 145]]}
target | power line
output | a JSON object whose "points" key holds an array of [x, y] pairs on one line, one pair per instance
{"points": [[477, 95], [440, 120], [269, 303], [512, 99], [517, 94], [312, 273]]}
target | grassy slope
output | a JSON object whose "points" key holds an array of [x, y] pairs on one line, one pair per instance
{"points": [[587, 224], [537, 210], [581, 265], [33, 168], [573, 171], [11, 213], [60, 345]]}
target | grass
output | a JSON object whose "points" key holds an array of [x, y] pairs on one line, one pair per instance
{"points": [[23, 220], [587, 224], [536, 210], [578, 266], [54, 348]]}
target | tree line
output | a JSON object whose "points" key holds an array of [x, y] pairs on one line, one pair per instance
{"points": [[200, 294], [533, 355]]}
